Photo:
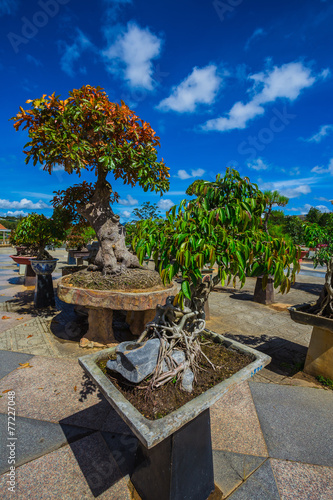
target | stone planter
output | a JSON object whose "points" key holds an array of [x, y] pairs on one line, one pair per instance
{"points": [[319, 358], [174, 455], [264, 296], [44, 293], [29, 273], [101, 304]]}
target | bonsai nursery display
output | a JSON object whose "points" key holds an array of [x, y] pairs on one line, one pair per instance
{"points": [[319, 359]]}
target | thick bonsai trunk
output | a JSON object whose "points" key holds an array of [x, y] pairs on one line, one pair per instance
{"points": [[112, 256], [324, 304]]}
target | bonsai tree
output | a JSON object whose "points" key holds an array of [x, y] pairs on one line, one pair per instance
{"points": [[321, 238], [78, 236], [147, 211], [37, 231], [88, 132], [273, 198], [222, 225]]}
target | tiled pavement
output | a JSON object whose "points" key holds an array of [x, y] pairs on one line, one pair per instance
{"points": [[271, 438]]}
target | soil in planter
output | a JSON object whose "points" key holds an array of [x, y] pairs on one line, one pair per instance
{"points": [[129, 280], [164, 400]]}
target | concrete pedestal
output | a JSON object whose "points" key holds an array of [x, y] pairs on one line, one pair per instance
{"points": [[30, 276], [179, 467], [137, 320], [44, 293], [319, 358], [264, 296]]}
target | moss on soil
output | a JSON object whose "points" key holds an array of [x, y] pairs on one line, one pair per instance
{"points": [[129, 280]]}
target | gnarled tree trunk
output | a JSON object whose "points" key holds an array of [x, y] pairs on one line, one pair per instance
{"points": [[112, 256]]}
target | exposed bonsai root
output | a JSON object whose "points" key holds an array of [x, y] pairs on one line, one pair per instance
{"points": [[178, 331]]}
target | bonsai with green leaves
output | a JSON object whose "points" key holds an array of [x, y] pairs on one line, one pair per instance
{"points": [[321, 238], [88, 132], [222, 225], [37, 232]]}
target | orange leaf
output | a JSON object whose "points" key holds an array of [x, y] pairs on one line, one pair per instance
{"points": [[24, 365], [5, 317], [18, 319], [28, 337], [75, 388], [7, 390]]}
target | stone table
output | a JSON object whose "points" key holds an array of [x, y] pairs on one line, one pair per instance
{"points": [[140, 307]]}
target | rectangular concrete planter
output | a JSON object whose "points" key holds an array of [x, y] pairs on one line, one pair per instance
{"points": [[150, 432]]}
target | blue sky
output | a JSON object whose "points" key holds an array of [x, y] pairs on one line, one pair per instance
{"points": [[223, 83]]}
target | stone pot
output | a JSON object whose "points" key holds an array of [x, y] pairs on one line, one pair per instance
{"points": [[319, 358], [25, 268], [44, 293], [174, 455], [44, 266]]}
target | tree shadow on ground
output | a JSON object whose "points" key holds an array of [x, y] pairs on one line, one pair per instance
{"points": [[287, 357], [103, 445], [313, 288]]}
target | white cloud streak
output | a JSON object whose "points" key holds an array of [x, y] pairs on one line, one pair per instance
{"points": [[324, 170], [323, 132], [165, 204], [284, 82], [183, 174], [258, 33], [128, 201], [131, 56], [199, 87], [24, 203], [72, 53], [291, 188], [257, 164]]}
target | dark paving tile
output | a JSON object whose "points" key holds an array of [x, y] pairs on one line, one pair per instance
{"points": [[35, 438], [296, 422], [123, 448], [10, 360], [84, 470], [231, 469], [260, 486]]}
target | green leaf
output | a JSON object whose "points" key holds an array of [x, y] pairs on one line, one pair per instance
{"points": [[186, 289]]}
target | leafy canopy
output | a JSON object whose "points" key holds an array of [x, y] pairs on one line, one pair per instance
{"points": [[222, 225], [87, 131]]}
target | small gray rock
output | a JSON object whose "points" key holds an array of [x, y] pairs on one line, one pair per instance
{"points": [[135, 361], [187, 380]]}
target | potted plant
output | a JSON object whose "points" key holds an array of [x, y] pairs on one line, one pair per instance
{"points": [[79, 235], [319, 359], [37, 232], [221, 225]]}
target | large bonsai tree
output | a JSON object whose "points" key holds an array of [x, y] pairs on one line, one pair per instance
{"points": [[221, 226], [88, 132]]}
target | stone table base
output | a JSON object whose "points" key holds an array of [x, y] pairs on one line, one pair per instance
{"points": [[319, 358], [137, 320], [100, 332]]}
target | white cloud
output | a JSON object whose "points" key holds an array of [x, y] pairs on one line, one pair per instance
{"points": [[24, 203], [33, 60], [16, 213], [259, 32], [258, 164], [291, 188], [126, 214], [284, 82], [323, 132], [199, 87], [34, 195], [71, 53], [183, 174], [128, 201], [324, 170], [8, 7], [112, 8], [165, 204], [131, 56]]}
